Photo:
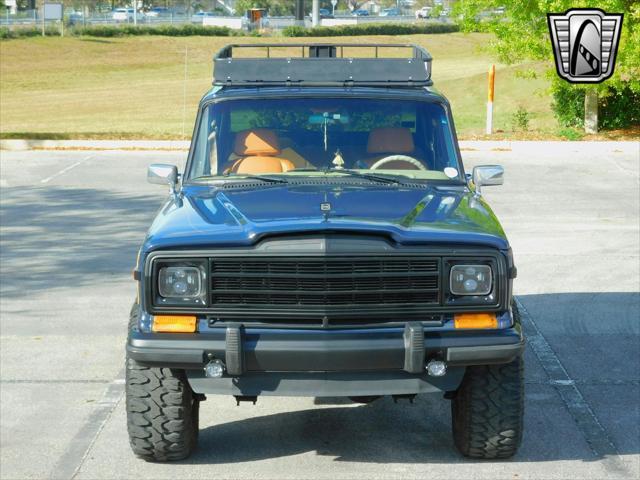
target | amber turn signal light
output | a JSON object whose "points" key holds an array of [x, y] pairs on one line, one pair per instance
{"points": [[475, 320], [174, 323]]}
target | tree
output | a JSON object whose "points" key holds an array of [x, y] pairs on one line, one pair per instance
{"points": [[522, 33], [354, 5]]}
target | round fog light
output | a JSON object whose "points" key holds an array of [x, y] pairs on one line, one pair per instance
{"points": [[436, 368], [214, 369]]}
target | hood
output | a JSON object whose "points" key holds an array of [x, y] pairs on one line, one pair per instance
{"points": [[208, 216]]}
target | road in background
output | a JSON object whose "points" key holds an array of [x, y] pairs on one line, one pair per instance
{"points": [[32, 18], [73, 220]]}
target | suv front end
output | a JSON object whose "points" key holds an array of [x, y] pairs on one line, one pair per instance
{"points": [[318, 307]]}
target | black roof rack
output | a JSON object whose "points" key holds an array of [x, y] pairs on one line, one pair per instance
{"points": [[322, 65]]}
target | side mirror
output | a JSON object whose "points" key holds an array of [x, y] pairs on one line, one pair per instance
{"points": [[162, 174], [486, 175]]}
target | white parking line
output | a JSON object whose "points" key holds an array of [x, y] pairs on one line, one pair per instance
{"points": [[66, 169], [586, 420], [78, 449]]}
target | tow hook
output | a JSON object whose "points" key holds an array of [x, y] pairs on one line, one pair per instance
{"points": [[246, 398], [404, 396]]}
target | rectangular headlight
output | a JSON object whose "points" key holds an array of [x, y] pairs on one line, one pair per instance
{"points": [[180, 282], [470, 280]]}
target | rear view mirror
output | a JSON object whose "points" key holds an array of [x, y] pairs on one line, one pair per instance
{"points": [[486, 175], [328, 118]]}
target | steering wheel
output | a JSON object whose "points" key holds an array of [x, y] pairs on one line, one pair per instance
{"points": [[398, 158]]}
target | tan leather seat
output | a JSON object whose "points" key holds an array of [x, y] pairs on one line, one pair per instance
{"points": [[385, 141], [259, 150]]}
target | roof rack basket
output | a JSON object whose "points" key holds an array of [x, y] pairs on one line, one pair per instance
{"points": [[322, 65]]}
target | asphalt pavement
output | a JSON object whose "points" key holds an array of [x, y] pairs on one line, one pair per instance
{"points": [[70, 225]]}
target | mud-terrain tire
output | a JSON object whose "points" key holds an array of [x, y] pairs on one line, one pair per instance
{"points": [[487, 411], [162, 411]]}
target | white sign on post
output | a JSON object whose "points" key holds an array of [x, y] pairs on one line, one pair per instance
{"points": [[334, 3], [53, 11]]}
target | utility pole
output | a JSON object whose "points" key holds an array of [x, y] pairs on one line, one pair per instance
{"points": [[315, 13], [300, 12]]}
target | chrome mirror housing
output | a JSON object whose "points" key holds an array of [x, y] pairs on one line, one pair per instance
{"points": [[486, 175], [163, 174]]}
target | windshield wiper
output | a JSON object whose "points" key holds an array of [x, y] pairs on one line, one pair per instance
{"points": [[262, 178], [366, 176]]}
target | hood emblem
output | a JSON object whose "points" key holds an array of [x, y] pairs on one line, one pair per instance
{"points": [[338, 161], [325, 206]]}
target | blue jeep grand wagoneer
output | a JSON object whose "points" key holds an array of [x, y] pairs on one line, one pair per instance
{"points": [[324, 240]]}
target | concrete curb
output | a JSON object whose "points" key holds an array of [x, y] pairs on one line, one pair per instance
{"points": [[549, 145], [16, 145], [465, 145]]}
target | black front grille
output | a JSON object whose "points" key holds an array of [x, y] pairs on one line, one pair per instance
{"points": [[316, 283]]}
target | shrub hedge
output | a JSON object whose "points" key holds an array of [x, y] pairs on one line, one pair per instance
{"points": [[370, 29], [210, 31], [6, 33], [120, 31], [616, 109], [567, 104], [620, 109], [185, 30]]}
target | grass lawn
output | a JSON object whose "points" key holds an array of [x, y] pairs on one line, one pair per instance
{"points": [[133, 87]]}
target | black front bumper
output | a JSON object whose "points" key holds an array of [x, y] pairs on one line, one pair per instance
{"points": [[248, 350], [321, 363]]}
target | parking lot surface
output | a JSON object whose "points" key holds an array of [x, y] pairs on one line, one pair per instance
{"points": [[73, 220]]}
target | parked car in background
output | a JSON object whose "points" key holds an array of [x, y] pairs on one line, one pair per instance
{"points": [[159, 12], [126, 15], [325, 13], [390, 12], [200, 16], [424, 12], [74, 17], [361, 12]]}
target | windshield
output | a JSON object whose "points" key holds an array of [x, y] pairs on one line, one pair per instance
{"points": [[312, 136]]}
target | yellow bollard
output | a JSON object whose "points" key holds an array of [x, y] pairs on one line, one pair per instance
{"points": [[492, 78]]}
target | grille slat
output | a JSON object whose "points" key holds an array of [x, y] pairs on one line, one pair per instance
{"points": [[293, 283], [227, 284]]}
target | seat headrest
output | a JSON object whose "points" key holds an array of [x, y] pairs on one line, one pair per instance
{"points": [[258, 141], [257, 165], [390, 140]]}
